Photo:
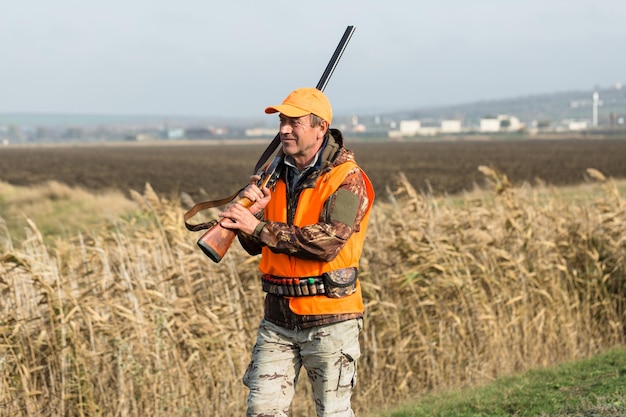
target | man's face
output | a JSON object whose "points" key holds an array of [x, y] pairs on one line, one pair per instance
{"points": [[299, 139]]}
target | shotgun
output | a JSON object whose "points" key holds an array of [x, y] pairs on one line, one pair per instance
{"points": [[217, 239]]}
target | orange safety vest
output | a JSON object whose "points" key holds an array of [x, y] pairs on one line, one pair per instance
{"points": [[308, 212]]}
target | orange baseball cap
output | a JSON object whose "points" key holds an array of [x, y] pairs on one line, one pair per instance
{"points": [[304, 101]]}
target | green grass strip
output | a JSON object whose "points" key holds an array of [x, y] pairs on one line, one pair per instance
{"points": [[594, 387]]}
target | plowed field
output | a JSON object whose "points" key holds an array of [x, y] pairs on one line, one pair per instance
{"points": [[209, 170]]}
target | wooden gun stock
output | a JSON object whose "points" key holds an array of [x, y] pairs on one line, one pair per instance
{"points": [[216, 241]]}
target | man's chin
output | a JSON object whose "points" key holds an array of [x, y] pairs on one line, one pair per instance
{"points": [[288, 145]]}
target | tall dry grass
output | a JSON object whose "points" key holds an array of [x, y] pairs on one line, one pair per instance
{"points": [[131, 319]]}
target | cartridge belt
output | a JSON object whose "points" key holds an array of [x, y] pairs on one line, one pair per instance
{"points": [[293, 287]]}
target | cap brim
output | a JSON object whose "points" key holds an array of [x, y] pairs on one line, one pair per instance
{"points": [[287, 110]]}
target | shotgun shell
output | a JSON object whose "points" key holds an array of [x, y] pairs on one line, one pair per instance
{"points": [[312, 287], [320, 287], [296, 286]]}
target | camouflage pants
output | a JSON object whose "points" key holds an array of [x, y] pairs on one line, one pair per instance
{"points": [[328, 353]]}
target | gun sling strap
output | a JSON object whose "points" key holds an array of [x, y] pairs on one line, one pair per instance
{"points": [[216, 203]]}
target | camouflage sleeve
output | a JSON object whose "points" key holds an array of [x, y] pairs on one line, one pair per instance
{"points": [[251, 243], [340, 217]]}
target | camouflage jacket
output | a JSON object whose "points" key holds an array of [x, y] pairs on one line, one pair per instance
{"points": [[319, 241]]}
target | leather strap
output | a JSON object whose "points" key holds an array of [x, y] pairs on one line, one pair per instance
{"points": [[216, 203], [203, 206]]}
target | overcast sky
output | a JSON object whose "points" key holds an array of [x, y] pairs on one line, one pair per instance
{"points": [[232, 58]]}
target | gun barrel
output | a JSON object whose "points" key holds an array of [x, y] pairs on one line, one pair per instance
{"points": [[334, 60]]}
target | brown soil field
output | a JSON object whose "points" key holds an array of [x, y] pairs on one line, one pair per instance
{"points": [[208, 170]]}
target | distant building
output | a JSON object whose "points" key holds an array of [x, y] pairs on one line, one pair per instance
{"points": [[407, 128], [451, 126], [176, 133], [429, 128], [574, 124], [501, 123], [410, 127], [261, 132], [511, 124], [489, 124]]}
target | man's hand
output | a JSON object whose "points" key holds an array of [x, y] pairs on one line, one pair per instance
{"points": [[238, 217], [258, 197]]}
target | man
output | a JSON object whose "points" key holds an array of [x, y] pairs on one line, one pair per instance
{"points": [[310, 231]]}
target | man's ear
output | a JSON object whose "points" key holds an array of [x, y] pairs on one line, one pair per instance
{"points": [[323, 128]]}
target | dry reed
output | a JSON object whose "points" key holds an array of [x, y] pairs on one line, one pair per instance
{"points": [[132, 320]]}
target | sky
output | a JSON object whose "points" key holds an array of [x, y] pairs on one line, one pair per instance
{"points": [[233, 58]]}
